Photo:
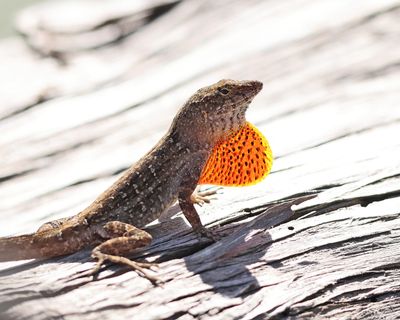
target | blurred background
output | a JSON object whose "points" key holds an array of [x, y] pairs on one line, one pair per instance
{"points": [[8, 11]]}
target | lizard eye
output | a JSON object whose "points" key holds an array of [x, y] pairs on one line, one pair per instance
{"points": [[224, 91]]}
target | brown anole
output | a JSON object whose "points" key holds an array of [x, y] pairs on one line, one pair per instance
{"points": [[209, 141]]}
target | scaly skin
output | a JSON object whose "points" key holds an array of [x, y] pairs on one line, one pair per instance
{"points": [[168, 172]]}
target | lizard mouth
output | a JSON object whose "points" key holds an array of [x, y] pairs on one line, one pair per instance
{"points": [[253, 87], [249, 91]]}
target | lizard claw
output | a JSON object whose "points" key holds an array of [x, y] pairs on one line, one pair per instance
{"points": [[204, 232], [202, 197], [140, 267]]}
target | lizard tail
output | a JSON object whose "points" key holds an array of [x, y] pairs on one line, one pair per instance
{"points": [[19, 248]]}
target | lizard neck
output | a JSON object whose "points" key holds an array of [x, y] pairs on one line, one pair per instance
{"points": [[208, 129]]}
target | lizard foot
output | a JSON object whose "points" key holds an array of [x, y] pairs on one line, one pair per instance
{"points": [[210, 234], [140, 267], [202, 197]]}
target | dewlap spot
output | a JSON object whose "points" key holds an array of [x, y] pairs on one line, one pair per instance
{"points": [[244, 159]]}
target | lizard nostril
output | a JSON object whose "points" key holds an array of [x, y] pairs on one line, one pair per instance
{"points": [[258, 85]]}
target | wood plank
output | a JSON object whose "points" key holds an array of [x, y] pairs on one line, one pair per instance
{"points": [[317, 239]]}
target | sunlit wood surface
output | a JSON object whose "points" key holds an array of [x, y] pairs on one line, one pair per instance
{"points": [[90, 86]]}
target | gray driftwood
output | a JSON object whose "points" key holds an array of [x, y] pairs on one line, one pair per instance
{"points": [[91, 86]]}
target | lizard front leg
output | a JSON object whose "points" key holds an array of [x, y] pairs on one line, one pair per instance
{"points": [[125, 238], [186, 201]]}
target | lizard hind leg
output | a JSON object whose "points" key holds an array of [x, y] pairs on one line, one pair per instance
{"points": [[55, 224], [125, 238]]}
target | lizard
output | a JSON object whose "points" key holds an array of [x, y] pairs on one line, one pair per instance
{"points": [[208, 142]]}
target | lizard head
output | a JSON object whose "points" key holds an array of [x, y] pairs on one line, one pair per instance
{"points": [[215, 112]]}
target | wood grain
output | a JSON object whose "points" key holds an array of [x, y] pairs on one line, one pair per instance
{"points": [[85, 95]]}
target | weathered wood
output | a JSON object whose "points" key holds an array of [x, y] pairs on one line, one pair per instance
{"points": [[67, 26], [87, 102]]}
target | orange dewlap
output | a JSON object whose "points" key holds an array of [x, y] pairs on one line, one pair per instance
{"points": [[244, 159]]}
